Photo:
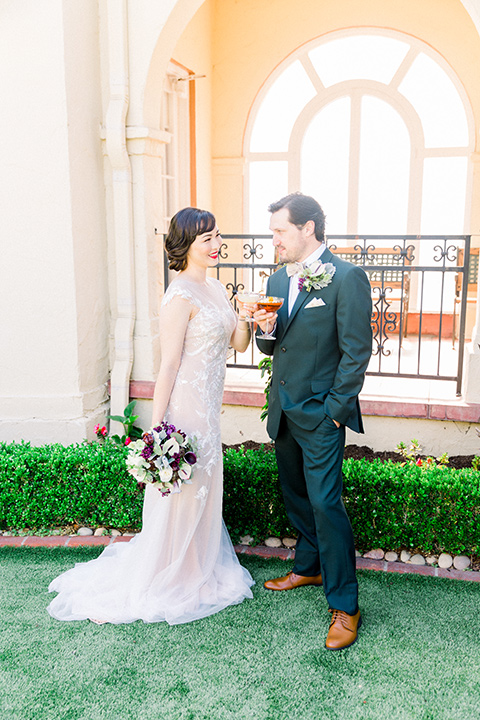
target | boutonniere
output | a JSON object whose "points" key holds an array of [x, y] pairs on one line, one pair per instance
{"points": [[316, 277]]}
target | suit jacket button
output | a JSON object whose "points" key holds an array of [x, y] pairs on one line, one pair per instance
{"points": [[284, 349], [282, 382]]}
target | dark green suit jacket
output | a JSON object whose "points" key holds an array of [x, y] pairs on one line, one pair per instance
{"points": [[321, 353]]}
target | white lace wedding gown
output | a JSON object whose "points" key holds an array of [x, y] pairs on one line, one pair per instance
{"points": [[182, 565]]}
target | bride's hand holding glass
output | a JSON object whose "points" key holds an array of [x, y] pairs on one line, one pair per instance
{"points": [[247, 304]]}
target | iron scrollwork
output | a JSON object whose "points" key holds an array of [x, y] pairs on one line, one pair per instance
{"points": [[235, 288], [252, 251], [447, 253], [384, 321], [365, 254], [405, 253]]}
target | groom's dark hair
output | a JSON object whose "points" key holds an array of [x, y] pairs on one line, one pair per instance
{"points": [[302, 208]]}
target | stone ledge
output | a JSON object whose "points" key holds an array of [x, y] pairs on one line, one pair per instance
{"points": [[249, 398], [456, 411], [459, 411], [140, 389]]}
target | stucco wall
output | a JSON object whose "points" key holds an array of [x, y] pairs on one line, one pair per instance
{"points": [[194, 50], [251, 39], [57, 208], [54, 310]]}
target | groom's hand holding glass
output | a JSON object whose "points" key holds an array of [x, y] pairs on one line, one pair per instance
{"points": [[254, 308], [269, 305]]}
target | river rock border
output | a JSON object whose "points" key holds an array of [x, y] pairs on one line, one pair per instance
{"points": [[444, 565], [444, 560]]}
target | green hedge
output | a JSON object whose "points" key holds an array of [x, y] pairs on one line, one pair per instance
{"points": [[390, 505], [432, 509], [52, 485], [253, 502]]}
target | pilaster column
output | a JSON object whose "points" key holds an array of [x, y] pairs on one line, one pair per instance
{"points": [[146, 149], [121, 234], [471, 382]]}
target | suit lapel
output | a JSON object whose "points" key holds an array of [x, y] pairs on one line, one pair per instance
{"points": [[282, 318], [327, 256]]}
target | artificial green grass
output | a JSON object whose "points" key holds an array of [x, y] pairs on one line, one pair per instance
{"points": [[417, 655]]}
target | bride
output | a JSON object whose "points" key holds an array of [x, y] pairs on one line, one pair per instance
{"points": [[182, 565]]}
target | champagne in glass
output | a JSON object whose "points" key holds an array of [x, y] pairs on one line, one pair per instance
{"points": [[270, 304]]}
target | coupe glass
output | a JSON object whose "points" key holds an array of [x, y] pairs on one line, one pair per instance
{"points": [[270, 304], [248, 298]]}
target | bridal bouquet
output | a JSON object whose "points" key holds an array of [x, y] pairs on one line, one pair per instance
{"points": [[164, 457]]}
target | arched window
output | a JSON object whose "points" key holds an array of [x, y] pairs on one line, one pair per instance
{"points": [[375, 125]]}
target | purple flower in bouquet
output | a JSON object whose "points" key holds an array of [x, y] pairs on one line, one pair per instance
{"points": [[164, 457], [147, 452]]}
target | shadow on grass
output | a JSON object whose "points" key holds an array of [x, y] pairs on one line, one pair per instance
{"points": [[417, 655]]}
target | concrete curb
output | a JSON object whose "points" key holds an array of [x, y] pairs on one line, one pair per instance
{"points": [[258, 551]]}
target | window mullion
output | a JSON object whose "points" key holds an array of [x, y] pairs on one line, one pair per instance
{"points": [[354, 162], [404, 68]]}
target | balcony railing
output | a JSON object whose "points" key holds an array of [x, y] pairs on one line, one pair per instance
{"points": [[421, 286]]}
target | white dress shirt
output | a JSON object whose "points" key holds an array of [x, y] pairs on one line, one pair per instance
{"points": [[293, 290]]}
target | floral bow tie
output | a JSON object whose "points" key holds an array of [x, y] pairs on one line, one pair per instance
{"points": [[294, 268]]}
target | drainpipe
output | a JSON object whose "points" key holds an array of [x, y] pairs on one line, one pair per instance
{"points": [[116, 150]]}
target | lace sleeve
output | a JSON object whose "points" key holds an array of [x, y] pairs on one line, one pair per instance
{"points": [[224, 292], [174, 290]]}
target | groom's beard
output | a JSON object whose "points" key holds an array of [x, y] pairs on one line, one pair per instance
{"points": [[289, 256]]}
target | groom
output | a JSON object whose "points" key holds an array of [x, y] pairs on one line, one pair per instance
{"points": [[320, 355]]}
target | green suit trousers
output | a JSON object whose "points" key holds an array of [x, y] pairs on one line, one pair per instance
{"points": [[310, 472]]}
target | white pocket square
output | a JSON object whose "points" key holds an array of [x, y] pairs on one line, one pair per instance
{"points": [[315, 302]]}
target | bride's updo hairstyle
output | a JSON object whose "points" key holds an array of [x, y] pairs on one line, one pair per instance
{"points": [[185, 226]]}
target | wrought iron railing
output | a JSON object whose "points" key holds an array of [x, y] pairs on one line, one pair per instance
{"points": [[420, 286]]}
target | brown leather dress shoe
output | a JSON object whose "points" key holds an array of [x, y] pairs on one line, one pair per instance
{"points": [[343, 629], [292, 580]]}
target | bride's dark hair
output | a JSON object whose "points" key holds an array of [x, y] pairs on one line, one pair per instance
{"points": [[184, 228]]}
